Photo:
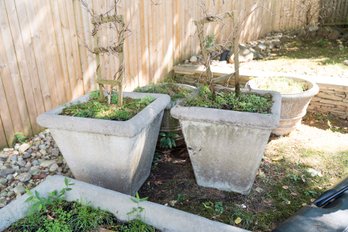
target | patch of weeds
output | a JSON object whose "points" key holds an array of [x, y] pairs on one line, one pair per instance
{"points": [[95, 109], [175, 91], [167, 140], [247, 102], [54, 214], [20, 138], [242, 218]]}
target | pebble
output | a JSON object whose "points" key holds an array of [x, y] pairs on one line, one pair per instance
{"points": [[47, 163], [345, 62], [54, 167], [22, 148], [28, 164], [24, 177], [19, 189], [193, 59]]}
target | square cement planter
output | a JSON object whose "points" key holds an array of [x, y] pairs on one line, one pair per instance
{"points": [[225, 146], [113, 154], [162, 217]]}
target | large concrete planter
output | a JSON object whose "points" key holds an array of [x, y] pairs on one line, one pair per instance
{"points": [[162, 217], [226, 147], [294, 106], [113, 154]]}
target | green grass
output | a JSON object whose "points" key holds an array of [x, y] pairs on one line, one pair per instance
{"points": [[100, 110], [326, 51], [247, 102]]}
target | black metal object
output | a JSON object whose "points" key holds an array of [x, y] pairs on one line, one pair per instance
{"points": [[328, 213]]}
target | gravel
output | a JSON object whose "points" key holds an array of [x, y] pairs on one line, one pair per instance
{"points": [[26, 165]]}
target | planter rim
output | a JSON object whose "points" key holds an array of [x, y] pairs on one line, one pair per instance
{"points": [[211, 115], [313, 90], [162, 217], [130, 128]]}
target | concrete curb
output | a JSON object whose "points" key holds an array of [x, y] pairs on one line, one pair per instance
{"points": [[162, 217]]}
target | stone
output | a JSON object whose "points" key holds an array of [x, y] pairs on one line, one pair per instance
{"points": [[3, 155], [47, 163], [21, 163], [55, 152], [345, 62], [53, 167], [9, 177], [26, 155], [313, 28], [3, 181], [314, 172], [6, 171], [24, 177], [132, 143], [193, 59], [34, 170], [22, 148], [3, 202], [14, 158], [261, 46], [43, 152], [19, 189], [36, 163]]}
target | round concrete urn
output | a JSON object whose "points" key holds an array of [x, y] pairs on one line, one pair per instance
{"points": [[294, 104]]}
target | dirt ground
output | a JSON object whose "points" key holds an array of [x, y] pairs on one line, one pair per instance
{"points": [[295, 170]]}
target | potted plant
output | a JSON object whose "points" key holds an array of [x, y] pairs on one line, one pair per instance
{"points": [[170, 133], [296, 95], [226, 131], [108, 139], [123, 207]]}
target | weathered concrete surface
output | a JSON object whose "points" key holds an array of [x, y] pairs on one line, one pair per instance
{"points": [[112, 154], [226, 147], [294, 106], [162, 217]]}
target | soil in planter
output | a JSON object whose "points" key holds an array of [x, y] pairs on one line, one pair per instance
{"points": [[227, 100], [100, 110], [173, 90], [283, 85], [73, 216]]}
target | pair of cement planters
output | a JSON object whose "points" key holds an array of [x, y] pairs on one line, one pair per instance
{"points": [[294, 106], [113, 154], [225, 146], [162, 217]]}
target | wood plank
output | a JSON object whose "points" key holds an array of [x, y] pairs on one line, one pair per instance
{"points": [[8, 128], [3, 139], [38, 48], [21, 53], [61, 49], [27, 39], [12, 83]]}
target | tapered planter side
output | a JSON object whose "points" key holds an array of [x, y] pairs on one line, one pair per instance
{"points": [[294, 106], [113, 154], [226, 147]]}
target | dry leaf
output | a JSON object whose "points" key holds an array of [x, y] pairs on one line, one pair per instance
{"points": [[238, 220]]}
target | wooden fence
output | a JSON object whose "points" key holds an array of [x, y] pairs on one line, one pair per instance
{"points": [[334, 12], [44, 61]]}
